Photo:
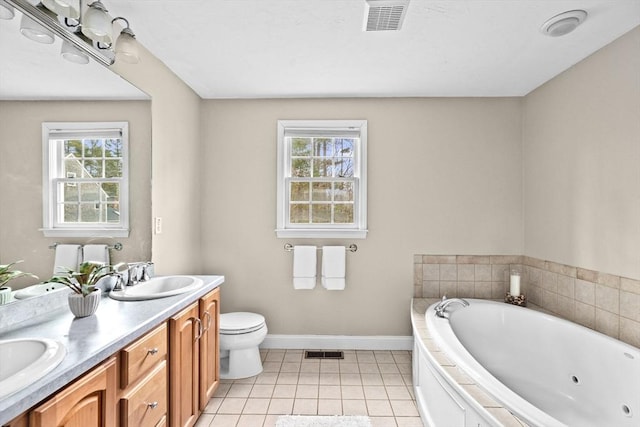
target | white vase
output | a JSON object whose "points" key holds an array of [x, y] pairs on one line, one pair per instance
{"points": [[5, 295], [82, 306]]}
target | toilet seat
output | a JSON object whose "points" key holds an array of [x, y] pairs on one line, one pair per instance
{"points": [[240, 323]]}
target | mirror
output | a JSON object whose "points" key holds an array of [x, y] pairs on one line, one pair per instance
{"points": [[38, 85]]}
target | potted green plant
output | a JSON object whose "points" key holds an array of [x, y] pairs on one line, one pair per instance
{"points": [[6, 275], [85, 298]]}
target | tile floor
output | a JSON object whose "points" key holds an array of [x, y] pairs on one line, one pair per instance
{"points": [[373, 383]]}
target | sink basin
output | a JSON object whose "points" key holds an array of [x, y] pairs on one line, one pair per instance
{"points": [[26, 360], [158, 287], [38, 289]]}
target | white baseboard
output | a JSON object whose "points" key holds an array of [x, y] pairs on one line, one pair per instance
{"points": [[338, 342]]}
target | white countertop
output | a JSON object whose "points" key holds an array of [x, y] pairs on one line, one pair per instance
{"points": [[93, 339]]}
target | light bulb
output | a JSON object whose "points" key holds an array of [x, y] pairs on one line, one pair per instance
{"points": [[96, 23], [73, 54], [65, 8], [34, 31], [6, 10], [127, 48]]}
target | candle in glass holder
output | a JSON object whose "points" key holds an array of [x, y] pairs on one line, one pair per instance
{"points": [[514, 288]]}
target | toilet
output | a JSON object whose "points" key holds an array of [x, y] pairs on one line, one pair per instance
{"points": [[240, 335]]}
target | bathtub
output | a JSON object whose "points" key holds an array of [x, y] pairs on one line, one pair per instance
{"points": [[546, 371]]}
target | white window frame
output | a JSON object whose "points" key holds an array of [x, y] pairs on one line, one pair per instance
{"points": [[285, 229], [52, 164]]}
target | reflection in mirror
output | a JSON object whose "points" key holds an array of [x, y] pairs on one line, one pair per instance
{"points": [[37, 71], [37, 85]]}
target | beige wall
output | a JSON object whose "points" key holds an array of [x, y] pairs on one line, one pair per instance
{"points": [[582, 163], [176, 163], [444, 176], [21, 179]]}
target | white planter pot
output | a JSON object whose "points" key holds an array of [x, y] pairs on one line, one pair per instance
{"points": [[84, 306], [5, 295]]}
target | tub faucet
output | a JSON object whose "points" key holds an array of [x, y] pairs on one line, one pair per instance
{"points": [[444, 303]]}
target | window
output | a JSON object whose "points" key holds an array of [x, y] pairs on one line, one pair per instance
{"points": [[85, 179], [322, 186]]}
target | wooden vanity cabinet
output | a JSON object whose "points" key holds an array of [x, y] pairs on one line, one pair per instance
{"points": [[194, 358], [87, 402]]}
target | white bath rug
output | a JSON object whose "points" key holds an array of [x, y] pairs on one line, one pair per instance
{"points": [[323, 421]]}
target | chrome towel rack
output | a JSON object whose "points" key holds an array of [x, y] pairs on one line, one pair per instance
{"points": [[115, 246], [351, 248]]}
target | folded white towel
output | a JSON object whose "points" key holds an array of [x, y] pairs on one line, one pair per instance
{"points": [[333, 267], [333, 284], [304, 267], [67, 258], [95, 253]]}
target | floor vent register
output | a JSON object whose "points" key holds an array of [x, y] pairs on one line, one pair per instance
{"points": [[312, 354]]}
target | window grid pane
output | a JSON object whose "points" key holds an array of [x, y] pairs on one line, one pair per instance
{"points": [[90, 199], [88, 202], [321, 186]]}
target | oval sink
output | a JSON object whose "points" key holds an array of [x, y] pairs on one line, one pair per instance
{"points": [[24, 361], [158, 287], [37, 289]]}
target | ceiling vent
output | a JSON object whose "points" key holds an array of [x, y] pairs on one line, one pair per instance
{"points": [[385, 15]]}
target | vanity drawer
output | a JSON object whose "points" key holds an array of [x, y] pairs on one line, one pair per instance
{"points": [[142, 355], [146, 404]]}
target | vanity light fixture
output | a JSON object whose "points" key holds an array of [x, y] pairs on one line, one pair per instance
{"points": [[126, 48], [6, 10], [563, 23], [87, 35], [34, 31]]}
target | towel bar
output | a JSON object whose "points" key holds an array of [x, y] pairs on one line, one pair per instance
{"points": [[116, 246], [351, 248]]}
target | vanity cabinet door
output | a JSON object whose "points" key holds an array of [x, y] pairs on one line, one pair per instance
{"points": [[185, 329], [209, 350], [88, 402]]}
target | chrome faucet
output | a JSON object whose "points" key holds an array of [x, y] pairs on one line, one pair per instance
{"points": [[119, 286], [444, 303], [132, 278], [139, 272], [136, 272], [145, 271]]}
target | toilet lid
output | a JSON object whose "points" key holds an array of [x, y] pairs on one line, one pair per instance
{"points": [[240, 321]]}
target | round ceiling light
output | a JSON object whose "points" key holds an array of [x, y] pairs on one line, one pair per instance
{"points": [[563, 23]]}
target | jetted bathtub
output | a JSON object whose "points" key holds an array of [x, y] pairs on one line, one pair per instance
{"points": [[547, 371]]}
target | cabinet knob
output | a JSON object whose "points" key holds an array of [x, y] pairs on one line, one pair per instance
{"points": [[152, 351], [152, 405]]}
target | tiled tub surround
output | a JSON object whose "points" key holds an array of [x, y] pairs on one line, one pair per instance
{"points": [[607, 303], [90, 340]]}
